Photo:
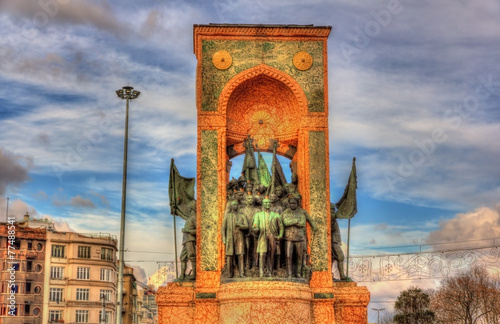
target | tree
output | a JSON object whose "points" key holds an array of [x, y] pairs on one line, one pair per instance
{"points": [[471, 297], [412, 307]]}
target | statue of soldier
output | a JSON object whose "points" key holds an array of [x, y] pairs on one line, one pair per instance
{"points": [[270, 228], [295, 219], [249, 170], [188, 247], [249, 211], [233, 225], [240, 197], [337, 253], [242, 182], [277, 207], [249, 187], [278, 191]]}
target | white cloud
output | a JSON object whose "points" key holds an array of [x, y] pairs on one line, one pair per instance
{"points": [[481, 224]]}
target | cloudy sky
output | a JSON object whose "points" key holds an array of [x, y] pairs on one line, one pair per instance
{"points": [[414, 90]]}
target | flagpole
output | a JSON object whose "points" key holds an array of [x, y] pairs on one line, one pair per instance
{"points": [[348, 238], [175, 245], [175, 226]]}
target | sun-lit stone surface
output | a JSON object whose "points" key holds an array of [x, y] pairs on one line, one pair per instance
{"points": [[255, 88]]}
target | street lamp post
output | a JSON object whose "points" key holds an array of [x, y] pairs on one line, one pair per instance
{"points": [[128, 93], [378, 313]]}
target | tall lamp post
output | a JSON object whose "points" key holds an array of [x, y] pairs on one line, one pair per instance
{"points": [[378, 313], [128, 93]]}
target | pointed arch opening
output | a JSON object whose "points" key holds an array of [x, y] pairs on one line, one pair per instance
{"points": [[266, 104]]}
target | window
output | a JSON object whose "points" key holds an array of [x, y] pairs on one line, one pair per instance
{"points": [[58, 251], [56, 295], [107, 254], [106, 293], [27, 288], [29, 266], [82, 294], [26, 309], [37, 290], [56, 272], [14, 288], [55, 315], [39, 247], [106, 275], [38, 268], [84, 252], [36, 311], [15, 266], [30, 245], [82, 273], [82, 316], [107, 314]]}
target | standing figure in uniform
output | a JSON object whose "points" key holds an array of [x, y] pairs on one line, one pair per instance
{"points": [[295, 219], [188, 247], [270, 228], [337, 253], [233, 225], [248, 212]]}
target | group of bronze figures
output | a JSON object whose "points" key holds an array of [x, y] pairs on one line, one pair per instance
{"points": [[265, 232], [264, 226]]}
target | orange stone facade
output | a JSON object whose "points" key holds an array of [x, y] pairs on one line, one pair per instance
{"points": [[269, 82]]}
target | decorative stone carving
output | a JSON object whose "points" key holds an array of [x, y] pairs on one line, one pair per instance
{"points": [[302, 60], [222, 60]]}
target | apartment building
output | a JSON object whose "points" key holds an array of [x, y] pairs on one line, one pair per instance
{"points": [[22, 273], [129, 309], [80, 272], [149, 308]]}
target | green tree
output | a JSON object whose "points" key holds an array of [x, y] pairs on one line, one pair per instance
{"points": [[471, 297], [412, 307]]}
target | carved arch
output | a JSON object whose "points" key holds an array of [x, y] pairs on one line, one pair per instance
{"points": [[265, 103]]}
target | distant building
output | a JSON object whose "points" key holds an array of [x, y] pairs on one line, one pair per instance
{"points": [[149, 308], [129, 309], [80, 269], [61, 277], [23, 274]]}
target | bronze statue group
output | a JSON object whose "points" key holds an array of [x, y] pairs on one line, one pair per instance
{"points": [[264, 225], [264, 231]]}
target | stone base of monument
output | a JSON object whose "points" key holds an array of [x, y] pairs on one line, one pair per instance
{"points": [[263, 302]]}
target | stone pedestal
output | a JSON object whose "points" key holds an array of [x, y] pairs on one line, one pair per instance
{"points": [[176, 303], [351, 303], [263, 302]]}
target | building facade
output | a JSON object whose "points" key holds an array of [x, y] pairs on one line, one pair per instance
{"points": [[22, 267], [129, 309], [80, 271]]}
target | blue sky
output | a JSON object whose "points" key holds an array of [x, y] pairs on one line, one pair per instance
{"points": [[414, 91]]}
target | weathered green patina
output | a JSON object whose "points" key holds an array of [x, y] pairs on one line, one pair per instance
{"points": [[317, 187], [209, 207], [276, 54]]}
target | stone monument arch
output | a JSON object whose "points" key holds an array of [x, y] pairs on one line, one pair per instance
{"points": [[264, 103], [269, 82]]}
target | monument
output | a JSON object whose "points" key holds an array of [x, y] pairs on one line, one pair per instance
{"points": [[263, 246]]}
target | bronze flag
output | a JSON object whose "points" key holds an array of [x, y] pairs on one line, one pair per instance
{"points": [[263, 171], [180, 193], [347, 206], [277, 175]]}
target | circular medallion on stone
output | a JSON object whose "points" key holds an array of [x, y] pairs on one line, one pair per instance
{"points": [[302, 60], [222, 60]]}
